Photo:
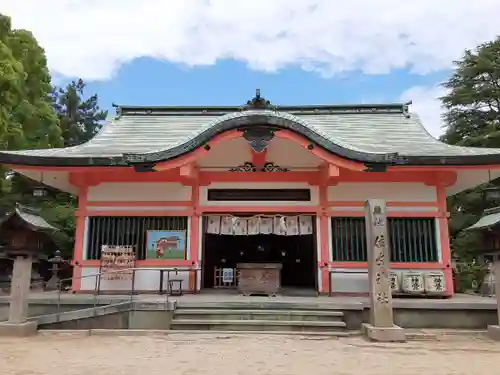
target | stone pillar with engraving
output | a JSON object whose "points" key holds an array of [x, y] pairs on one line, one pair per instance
{"points": [[18, 325], [381, 324], [494, 330]]}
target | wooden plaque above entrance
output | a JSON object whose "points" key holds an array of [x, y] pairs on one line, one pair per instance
{"points": [[301, 195]]}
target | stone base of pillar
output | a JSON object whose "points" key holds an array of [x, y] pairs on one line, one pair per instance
{"points": [[494, 332], [18, 329], [384, 334]]}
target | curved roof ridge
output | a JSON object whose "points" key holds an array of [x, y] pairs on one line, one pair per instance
{"points": [[390, 136], [220, 119], [418, 121], [256, 117]]}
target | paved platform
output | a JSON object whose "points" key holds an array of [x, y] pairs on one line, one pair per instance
{"points": [[459, 301]]}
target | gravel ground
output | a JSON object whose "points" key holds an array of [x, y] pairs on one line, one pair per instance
{"points": [[240, 355]]}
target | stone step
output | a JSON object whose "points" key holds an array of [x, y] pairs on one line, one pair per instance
{"points": [[257, 325], [268, 304], [257, 314]]}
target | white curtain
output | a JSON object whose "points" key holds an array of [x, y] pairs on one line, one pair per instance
{"points": [[266, 225], [240, 226], [292, 226], [243, 226], [213, 226], [226, 226], [279, 226], [253, 225], [305, 225]]}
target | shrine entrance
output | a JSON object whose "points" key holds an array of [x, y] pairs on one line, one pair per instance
{"points": [[287, 241]]}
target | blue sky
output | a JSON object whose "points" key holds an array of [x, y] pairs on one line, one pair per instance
{"points": [[216, 52], [147, 81]]}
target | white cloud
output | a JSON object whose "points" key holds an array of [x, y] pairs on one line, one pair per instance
{"points": [[428, 106], [93, 38]]}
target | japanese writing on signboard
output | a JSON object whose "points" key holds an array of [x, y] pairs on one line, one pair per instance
{"points": [[383, 298], [227, 275], [378, 222], [380, 241], [380, 260]]}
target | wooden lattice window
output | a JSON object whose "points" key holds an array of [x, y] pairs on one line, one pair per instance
{"points": [[410, 239]]}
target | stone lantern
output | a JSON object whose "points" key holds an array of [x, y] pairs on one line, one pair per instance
{"points": [[55, 282], [26, 235]]}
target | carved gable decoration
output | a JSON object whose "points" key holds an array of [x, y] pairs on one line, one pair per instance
{"points": [[250, 167], [258, 102], [258, 137]]}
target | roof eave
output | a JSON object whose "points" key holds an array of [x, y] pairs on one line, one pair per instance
{"points": [[125, 160], [245, 120], [48, 161]]}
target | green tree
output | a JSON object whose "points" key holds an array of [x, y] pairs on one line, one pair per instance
{"points": [[26, 115], [80, 117], [33, 114], [27, 119], [473, 102], [472, 118]]}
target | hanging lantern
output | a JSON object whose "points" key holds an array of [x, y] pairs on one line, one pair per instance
{"points": [[491, 193], [39, 191]]}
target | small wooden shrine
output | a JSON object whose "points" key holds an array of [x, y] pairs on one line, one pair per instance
{"points": [[488, 247], [23, 232]]}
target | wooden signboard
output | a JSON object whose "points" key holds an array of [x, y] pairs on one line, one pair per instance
{"points": [[259, 278], [116, 258]]}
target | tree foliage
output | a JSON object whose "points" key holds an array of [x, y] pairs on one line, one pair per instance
{"points": [[80, 117], [34, 114], [472, 118], [27, 119]]}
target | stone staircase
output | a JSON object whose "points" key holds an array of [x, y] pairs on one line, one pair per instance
{"points": [[260, 319]]}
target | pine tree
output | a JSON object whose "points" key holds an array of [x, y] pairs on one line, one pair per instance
{"points": [[473, 119]]}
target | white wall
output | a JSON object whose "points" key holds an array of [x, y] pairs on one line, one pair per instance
{"points": [[145, 280], [217, 157], [345, 280], [139, 192], [390, 191], [57, 179], [289, 154], [261, 185]]}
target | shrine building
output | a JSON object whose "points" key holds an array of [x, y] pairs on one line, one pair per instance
{"points": [[199, 190]]}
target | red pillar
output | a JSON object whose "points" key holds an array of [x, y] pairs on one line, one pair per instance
{"points": [[78, 251], [324, 238], [194, 234], [445, 239]]}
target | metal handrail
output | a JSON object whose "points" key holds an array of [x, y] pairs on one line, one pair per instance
{"points": [[98, 275]]}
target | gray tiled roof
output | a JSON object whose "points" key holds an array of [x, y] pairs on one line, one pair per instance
{"points": [[34, 219], [490, 218], [365, 132], [30, 216], [486, 221]]}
